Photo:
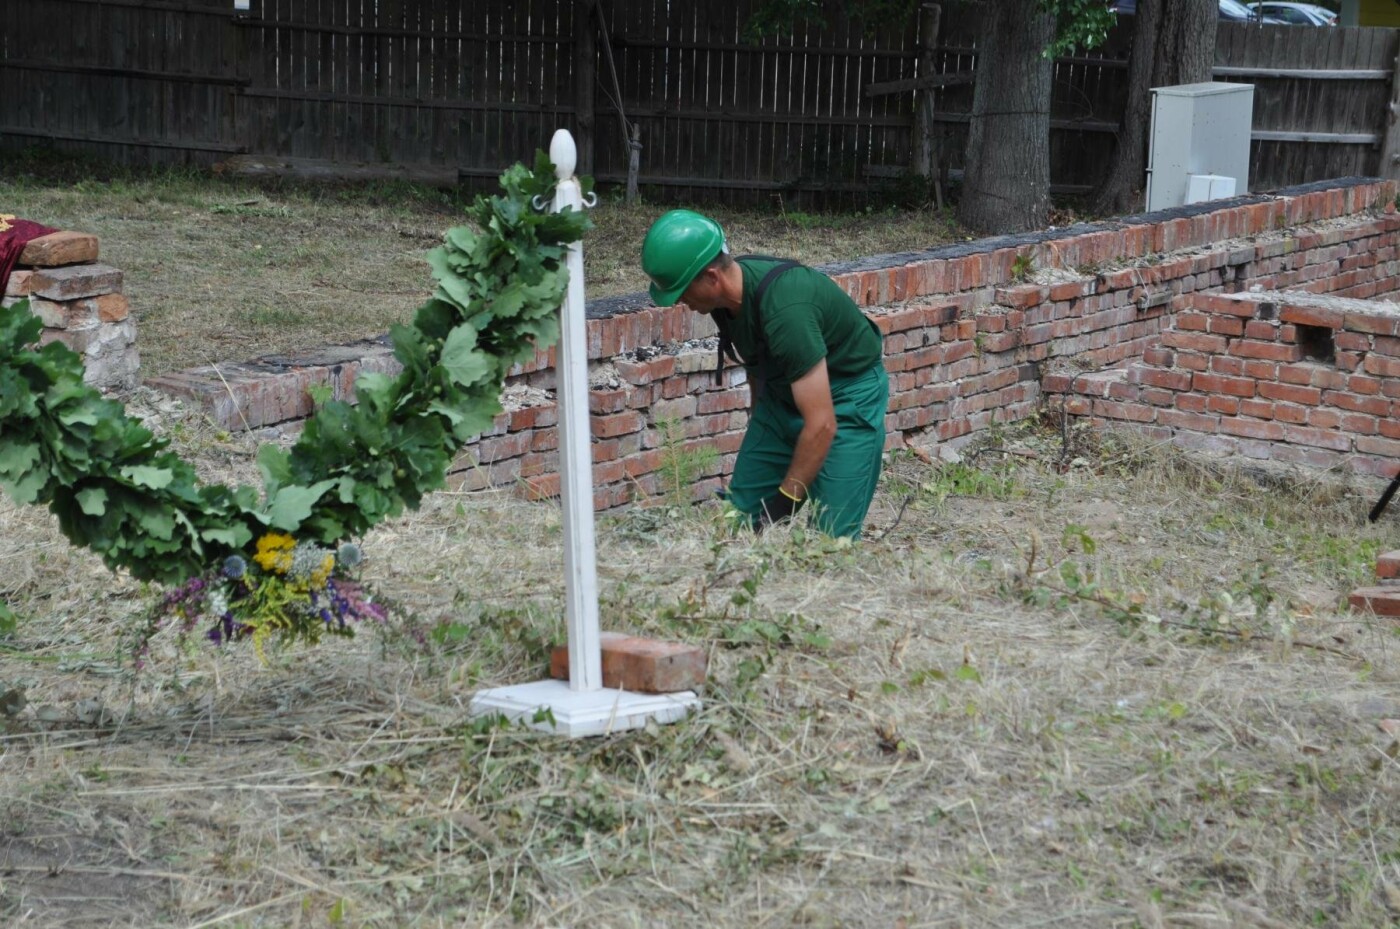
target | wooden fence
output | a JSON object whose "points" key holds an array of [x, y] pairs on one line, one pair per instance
{"points": [[452, 91]]}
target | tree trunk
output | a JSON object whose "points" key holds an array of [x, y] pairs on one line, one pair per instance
{"points": [[1006, 182], [1173, 43]]}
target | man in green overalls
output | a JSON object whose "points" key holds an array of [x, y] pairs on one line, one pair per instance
{"points": [[817, 381]]}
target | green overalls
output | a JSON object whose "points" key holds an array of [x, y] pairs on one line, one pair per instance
{"points": [[805, 317]]}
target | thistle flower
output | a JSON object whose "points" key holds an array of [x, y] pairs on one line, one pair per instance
{"points": [[349, 555], [235, 567]]}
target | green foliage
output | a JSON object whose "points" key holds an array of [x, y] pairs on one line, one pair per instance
{"points": [[962, 480], [776, 17], [1079, 24], [681, 466], [117, 490], [1023, 267]]}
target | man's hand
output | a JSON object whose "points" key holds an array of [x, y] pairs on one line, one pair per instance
{"points": [[776, 509]]}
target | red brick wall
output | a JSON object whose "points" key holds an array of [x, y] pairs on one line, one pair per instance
{"points": [[1243, 374], [967, 343]]}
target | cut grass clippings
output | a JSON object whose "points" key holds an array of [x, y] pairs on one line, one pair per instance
{"points": [[1031, 698]]}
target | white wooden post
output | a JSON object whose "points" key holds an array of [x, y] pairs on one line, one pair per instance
{"points": [[582, 706], [576, 444]]}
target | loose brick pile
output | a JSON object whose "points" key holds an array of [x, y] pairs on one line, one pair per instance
{"points": [[968, 343], [81, 304], [1383, 599]]}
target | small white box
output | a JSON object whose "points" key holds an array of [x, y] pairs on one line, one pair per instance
{"points": [[1202, 187]]}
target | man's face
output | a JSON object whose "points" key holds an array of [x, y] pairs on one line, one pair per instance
{"points": [[704, 293]]}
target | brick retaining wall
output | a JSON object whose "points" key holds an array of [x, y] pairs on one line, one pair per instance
{"points": [[969, 342], [1297, 377]]}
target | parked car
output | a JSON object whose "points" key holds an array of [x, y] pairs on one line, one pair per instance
{"points": [[1230, 11], [1235, 12], [1298, 14]]}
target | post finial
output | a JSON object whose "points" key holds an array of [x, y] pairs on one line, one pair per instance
{"points": [[564, 153]]}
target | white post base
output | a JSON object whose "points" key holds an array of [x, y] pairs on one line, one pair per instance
{"points": [[579, 713]]}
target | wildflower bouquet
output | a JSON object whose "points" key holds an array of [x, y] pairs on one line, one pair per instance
{"points": [[292, 591]]}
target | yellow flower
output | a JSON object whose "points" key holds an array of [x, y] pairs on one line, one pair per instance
{"points": [[322, 573], [274, 552]]}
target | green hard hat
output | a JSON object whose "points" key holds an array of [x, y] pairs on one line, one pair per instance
{"points": [[677, 247]]}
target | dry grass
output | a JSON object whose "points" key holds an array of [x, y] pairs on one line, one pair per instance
{"points": [[221, 270], [915, 731]]}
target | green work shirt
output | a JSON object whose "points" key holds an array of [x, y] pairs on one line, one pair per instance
{"points": [[806, 318]]}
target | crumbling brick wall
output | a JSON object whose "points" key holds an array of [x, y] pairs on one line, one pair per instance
{"points": [[1297, 377], [975, 334]]}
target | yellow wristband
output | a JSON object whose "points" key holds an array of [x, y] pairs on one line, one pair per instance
{"points": [[788, 495]]}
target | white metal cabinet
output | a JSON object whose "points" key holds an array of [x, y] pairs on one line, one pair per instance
{"points": [[1200, 131]]}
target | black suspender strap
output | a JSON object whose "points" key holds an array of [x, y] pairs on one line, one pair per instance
{"points": [[726, 344]]}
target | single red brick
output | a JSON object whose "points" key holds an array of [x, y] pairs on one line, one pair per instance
{"points": [[1381, 365], [1373, 406], [1228, 406], [1000, 341], [606, 427], [1322, 438], [1250, 429], [1225, 325], [1071, 290], [1021, 296], [1167, 380], [1292, 393], [1361, 384], [1130, 412], [1195, 422], [1272, 351], [1219, 384], [1193, 361], [1194, 341], [1382, 601], [1192, 403], [1311, 316], [1372, 323], [1359, 423], [1388, 565], [1158, 397], [1259, 409], [1262, 330], [59, 248], [607, 401]]}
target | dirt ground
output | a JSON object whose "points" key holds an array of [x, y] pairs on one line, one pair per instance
{"points": [[1068, 681]]}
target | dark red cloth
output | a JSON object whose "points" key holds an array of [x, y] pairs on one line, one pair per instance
{"points": [[12, 242]]}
